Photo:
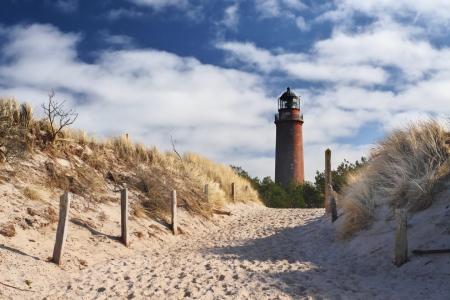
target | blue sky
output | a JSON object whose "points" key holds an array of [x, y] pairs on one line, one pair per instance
{"points": [[209, 72]]}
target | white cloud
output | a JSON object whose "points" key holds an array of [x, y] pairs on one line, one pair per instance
{"points": [[159, 4], [362, 58], [279, 8], [66, 6], [303, 66], [268, 8], [118, 40], [231, 17], [433, 14], [302, 24], [116, 14], [297, 4]]}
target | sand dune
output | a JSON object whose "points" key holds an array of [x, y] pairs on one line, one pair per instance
{"points": [[260, 253]]}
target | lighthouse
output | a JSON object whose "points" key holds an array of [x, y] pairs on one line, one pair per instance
{"points": [[289, 140]]}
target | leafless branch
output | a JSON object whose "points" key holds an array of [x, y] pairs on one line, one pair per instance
{"points": [[173, 145], [54, 110]]}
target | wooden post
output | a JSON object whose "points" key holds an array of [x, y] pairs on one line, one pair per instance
{"points": [[63, 226], [328, 180], [128, 138], [401, 243], [174, 213], [124, 216], [246, 191], [207, 192], [332, 204], [233, 192]]}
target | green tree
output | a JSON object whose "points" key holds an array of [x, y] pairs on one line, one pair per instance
{"points": [[307, 195], [338, 176], [313, 197]]}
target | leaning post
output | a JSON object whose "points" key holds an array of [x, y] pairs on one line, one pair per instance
{"points": [[63, 226], [328, 180], [174, 213], [124, 216], [401, 243], [233, 192], [207, 192], [332, 204]]}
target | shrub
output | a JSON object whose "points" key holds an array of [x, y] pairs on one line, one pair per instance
{"points": [[32, 194]]}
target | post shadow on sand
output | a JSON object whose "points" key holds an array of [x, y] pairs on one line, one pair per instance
{"points": [[18, 252], [93, 231], [295, 244]]}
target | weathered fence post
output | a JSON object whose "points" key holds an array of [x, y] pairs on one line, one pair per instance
{"points": [[332, 203], [174, 213], [401, 243], [207, 192], [124, 216], [63, 226], [233, 192], [327, 179], [246, 191]]}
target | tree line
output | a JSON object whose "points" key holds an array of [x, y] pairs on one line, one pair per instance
{"points": [[306, 195]]}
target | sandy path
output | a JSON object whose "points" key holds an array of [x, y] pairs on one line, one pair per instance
{"points": [[262, 254]]}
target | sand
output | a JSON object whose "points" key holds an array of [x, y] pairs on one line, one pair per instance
{"points": [[259, 253]]}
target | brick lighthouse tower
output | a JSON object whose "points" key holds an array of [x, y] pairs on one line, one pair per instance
{"points": [[289, 145]]}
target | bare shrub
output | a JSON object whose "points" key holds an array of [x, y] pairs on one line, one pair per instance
{"points": [[102, 216], [8, 229], [51, 215], [54, 110], [83, 262], [407, 168], [32, 194], [140, 212], [32, 212]]}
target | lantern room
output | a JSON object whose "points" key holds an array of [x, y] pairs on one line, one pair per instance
{"points": [[289, 100]]}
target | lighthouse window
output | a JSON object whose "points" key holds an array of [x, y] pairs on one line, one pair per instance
{"points": [[292, 130], [287, 114], [292, 166]]}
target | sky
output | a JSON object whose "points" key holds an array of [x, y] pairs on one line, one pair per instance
{"points": [[208, 73]]}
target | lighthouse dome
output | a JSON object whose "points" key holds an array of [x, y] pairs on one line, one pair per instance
{"points": [[288, 95]]}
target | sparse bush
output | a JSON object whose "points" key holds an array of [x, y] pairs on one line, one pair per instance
{"points": [[54, 110], [407, 168], [8, 229], [103, 216], [51, 215], [32, 194]]}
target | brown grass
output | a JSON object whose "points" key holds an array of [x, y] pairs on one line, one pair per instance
{"points": [[407, 168], [32, 194], [51, 215], [8, 229]]}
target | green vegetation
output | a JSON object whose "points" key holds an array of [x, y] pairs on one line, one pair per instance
{"points": [[306, 195]]}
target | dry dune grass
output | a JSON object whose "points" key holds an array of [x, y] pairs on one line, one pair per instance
{"points": [[112, 160], [407, 168], [32, 193], [222, 175]]}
